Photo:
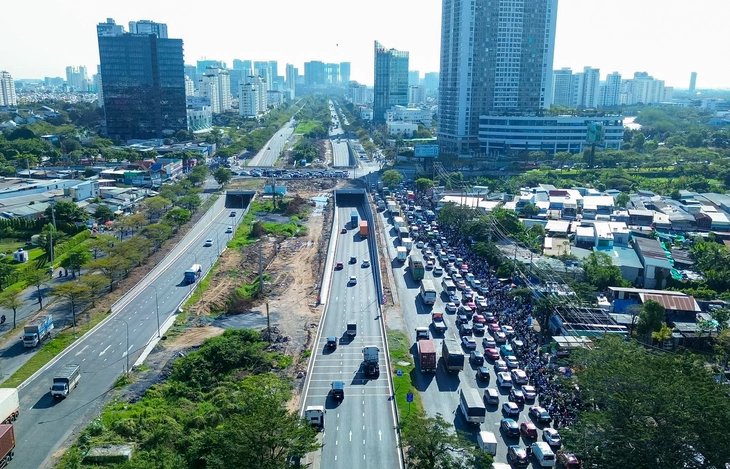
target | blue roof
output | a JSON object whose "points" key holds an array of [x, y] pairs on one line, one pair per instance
{"points": [[623, 257]]}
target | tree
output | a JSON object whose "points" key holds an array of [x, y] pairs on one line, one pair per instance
{"points": [[651, 318], [722, 316], [97, 283], [134, 250], [6, 271], [622, 199], [529, 210], [423, 184], [33, 277], [694, 139], [223, 176], [130, 223], [101, 244], [76, 293], [601, 273], [722, 346], [103, 214], [178, 216], [111, 267], [157, 233], [155, 205], [66, 212], [637, 142], [10, 299], [197, 175], [189, 202], [391, 178], [75, 259], [49, 238], [431, 444]]}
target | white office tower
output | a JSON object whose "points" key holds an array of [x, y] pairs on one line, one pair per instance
{"points": [[642, 89], [76, 79], [291, 80], [7, 90], [612, 90], [189, 86], [589, 88], [563, 87], [208, 88], [99, 87], [496, 57], [224, 86]]}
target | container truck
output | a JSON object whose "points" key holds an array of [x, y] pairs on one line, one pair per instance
{"points": [[437, 320], [398, 222], [363, 229], [193, 274], [351, 329], [487, 442], [403, 233], [417, 269], [370, 359], [407, 243], [314, 414], [453, 356], [402, 253], [392, 208], [353, 220], [7, 444], [427, 356], [65, 380], [37, 329], [9, 405]]}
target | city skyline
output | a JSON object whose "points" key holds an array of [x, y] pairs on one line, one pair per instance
{"points": [[661, 37]]}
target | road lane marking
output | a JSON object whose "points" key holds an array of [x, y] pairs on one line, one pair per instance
{"points": [[81, 351], [104, 351], [350, 435], [380, 435]]}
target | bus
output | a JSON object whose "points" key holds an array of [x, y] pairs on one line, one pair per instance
{"points": [[428, 292], [449, 287], [472, 406]]}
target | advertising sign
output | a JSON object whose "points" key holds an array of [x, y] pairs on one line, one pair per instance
{"points": [[426, 151]]}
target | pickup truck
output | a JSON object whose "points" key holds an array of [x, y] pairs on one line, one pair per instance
{"points": [[437, 321]]}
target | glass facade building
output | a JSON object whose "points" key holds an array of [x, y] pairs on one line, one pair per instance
{"points": [[144, 86], [391, 80]]}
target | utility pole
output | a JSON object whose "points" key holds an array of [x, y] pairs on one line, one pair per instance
{"points": [[261, 268], [268, 322]]}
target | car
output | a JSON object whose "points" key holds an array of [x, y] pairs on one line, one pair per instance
{"points": [[429, 265], [516, 396], [506, 350], [450, 307], [463, 309], [479, 328], [438, 271], [494, 327], [540, 414], [343, 231], [552, 437], [461, 319], [488, 342], [510, 409], [232, 214], [491, 396], [353, 260], [568, 460], [509, 427], [466, 329], [208, 242], [481, 303], [519, 376], [504, 380], [476, 358], [467, 295], [331, 343], [365, 263], [508, 330], [517, 456], [352, 281], [512, 362], [338, 390], [499, 337], [229, 229], [491, 353], [460, 284], [469, 343], [530, 392], [339, 266], [500, 366], [419, 245], [528, 430], [483, 374]]}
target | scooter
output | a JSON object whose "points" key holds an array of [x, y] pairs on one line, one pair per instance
{"points": [[2, 319]]}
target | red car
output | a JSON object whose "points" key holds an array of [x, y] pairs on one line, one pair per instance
{"points": [[339, 266], [528, 430], [478, 318], [492, 353], [494, 327]]}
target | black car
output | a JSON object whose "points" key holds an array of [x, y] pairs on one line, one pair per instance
{"points": [[461, 319], [338, 390], [476, 358], [517, 396], [517, 456], [232, 214], [353, 260], [510, 427], [331, 343], [483, 374]]}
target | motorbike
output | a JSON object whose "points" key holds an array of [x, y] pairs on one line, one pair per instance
{"points": [[2, 319]]}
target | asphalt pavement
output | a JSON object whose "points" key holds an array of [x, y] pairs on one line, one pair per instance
{"points": [[117, 342], [359, 431], [267, 156]]}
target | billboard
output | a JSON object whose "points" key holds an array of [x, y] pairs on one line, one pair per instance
{"points": [[595, 133], [426, 151]]}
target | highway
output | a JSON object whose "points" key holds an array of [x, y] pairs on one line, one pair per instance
{"points": [[440, 391], [44, 424], [340, 154], [267, 156], [359, 431]]}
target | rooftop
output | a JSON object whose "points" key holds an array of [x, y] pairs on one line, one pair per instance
{"points": [[673, 302]]}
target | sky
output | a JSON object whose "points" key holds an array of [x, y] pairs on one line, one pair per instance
{"points": [[669, 39]]}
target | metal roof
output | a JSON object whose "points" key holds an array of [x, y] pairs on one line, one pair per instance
{"points": [[673, 302]]}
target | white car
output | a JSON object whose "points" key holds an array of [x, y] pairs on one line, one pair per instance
{"points": [[469, 342], [519, 376], [552, 437], [504, 380], [511, 409], [450, 307], [208, 243]]}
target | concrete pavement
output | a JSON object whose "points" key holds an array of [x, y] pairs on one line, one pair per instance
{"points": [[267, 156]]}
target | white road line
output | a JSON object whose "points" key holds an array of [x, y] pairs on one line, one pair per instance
{"points": [[350, 435], [104, 351], [81, 351]]}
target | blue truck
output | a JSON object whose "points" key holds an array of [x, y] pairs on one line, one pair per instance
{"points": [[37, 329], [353, 220], [193, 274]]}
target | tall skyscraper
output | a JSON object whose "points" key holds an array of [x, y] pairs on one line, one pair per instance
{"points": [[589, 93], [148, 27], [98, 86], [496, 56], [391, 80], [414, 78], [431, 81], [291, 80], [345, 73], [144, 84], [208, 88], [7, 90], [613, 90], [110, 28], [274, 67], [223, 87], [192, 72], [263, 70], [244, 65], [332, 74], [203, 65], [692, 82], [563, 87], [77, 79], [314, 73]]}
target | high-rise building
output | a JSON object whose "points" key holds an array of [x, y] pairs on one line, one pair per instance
{"points": [[692, 82], [642, 89], [98, 87], [144, 84], [391, 80], [274, 67], [332, 74], [237, 77], [110, 28], [76, 79], [263, 69], [208, 89], [590, 91], [191, 72], [7, 90], [148, 27], [416, 94], [223, 87], [613, 90], [203, 65], [291, 80], [248, 100], [359, 94], [344, 73], [496, 56], [414, 77], [314, 73], [431, 81], [562, 87], [189, 86], [244, 65]]}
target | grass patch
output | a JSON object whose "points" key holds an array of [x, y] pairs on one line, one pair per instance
{"points": [[123, 380], [306, 354], [400, 346], [50, 349], [305, 127], [9, 247], [287, 230], [241, 235], [249, 290]]}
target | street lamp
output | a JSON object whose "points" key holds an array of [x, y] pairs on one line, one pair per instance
{"points": [[127, 349], [157, 309]]}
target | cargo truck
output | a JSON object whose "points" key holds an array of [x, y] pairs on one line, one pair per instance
{"points": [[351, 329], [392, 208], [353, 220], [7, 444], [437, 320], [407, 243], [453, 356], [403, 233], [9, 405], [487, 442], [427, 356], [417, 269], [37, 329], [66, 380], [193, 274], [363, 229], [314, 414], [402, 253], [398, 222], [370, 359]]}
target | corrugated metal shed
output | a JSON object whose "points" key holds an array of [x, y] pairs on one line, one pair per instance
{"points": [[672, 302]]}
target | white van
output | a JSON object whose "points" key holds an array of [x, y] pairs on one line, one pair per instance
{"points": [[487, 442], [543, 454]]}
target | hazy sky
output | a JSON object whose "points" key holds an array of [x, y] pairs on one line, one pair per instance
{"points": [[667, 38]]}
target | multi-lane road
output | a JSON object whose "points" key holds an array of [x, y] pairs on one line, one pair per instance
{"points": [[267, 156], [44, 424], [359, 431]]}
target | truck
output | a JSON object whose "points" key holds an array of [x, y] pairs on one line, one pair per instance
{"points": [[453, 356], [427, 356], [66, 380], [351, 329], [353, 219], [7, 444], [37, 329], [407, 243], [314, 414], [417, 269], [437, 321], [392, 208], [402, 253], [363, 229], [370, 359], [403, 233], [422, 333], [398, 222], [9, 405], [472, 406], [487, 442], [193, 274]]}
